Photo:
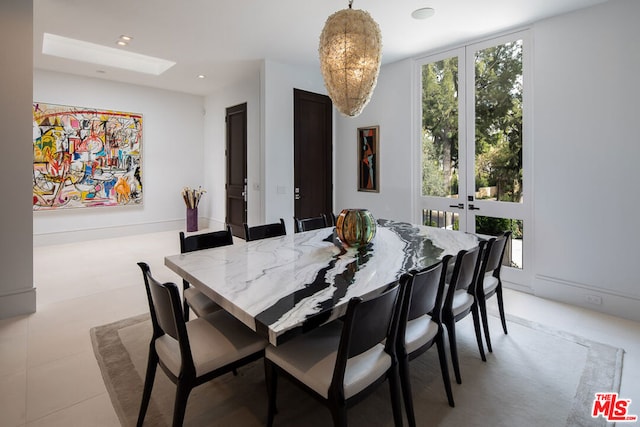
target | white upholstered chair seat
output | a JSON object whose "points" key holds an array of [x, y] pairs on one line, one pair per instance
{"points": [[311, 359], [199, 302], [462, 300], [489, 283], [419, 332], [215, 339]]}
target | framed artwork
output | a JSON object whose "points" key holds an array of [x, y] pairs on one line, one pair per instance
{"points": [[85, 157], [368, 159]]}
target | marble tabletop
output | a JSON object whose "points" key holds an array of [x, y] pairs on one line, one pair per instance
{"points": [[286, 285]]}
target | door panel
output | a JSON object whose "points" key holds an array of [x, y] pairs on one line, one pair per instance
{"points": [[443, 198], [475, 163], [498, 147], [236, 191], [313, 176]]}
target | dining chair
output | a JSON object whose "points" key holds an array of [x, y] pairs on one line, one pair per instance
{"points": [[340, 362], [459, 300], [199, 302], [490, 283], [264, 231], [312, 223], [419, 328], [194, 352], [330, 218]]}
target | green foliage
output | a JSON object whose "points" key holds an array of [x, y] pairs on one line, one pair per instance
{"points": [[454, 183], [495, 226], [440, 115], [498, 111], [498, 87], [433, 182]]}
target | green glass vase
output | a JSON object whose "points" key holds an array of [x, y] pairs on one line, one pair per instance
{"points": [[355, 227]]}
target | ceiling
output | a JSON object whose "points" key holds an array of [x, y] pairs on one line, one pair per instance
{"points": [[226, 40]]}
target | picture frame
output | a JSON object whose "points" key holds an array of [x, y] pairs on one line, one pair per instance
{"points": [[368, 159], [85, 157]]}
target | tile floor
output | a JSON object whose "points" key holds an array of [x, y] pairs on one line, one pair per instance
{"points": [[48, 372]]}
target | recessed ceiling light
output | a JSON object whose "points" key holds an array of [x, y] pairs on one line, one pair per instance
{"points": [[423, 13], [202, 76], [79, 50], [121, 43], [126, 38]]}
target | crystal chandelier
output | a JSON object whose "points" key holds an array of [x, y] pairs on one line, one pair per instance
{"points": [[350, 51]]}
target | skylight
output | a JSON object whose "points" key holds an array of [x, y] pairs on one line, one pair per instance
{"points": [[79, 50]]}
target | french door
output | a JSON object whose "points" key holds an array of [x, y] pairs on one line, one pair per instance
{"points": [[475, 163]]}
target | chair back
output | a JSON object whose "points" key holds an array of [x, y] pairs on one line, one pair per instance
{"points": [[264, 231], [164, 305], [465, 269], [368, 322], [495, 253], [422, 292], [213, 239], [306, 224], [330, 219]]}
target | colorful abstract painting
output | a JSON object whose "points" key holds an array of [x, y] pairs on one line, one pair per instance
{"points": [[85, 157], [368, 160]]}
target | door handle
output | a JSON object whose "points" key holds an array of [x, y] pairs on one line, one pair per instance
{"points": [[458, 206], [473, 208]]}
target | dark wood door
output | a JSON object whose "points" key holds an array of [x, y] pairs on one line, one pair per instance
{"points": [[313, 145], [236, 185]]}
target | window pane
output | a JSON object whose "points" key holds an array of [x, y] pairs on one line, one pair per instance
{"points": [[440, 128], [494, 226], [441, 219], [498, 95]]}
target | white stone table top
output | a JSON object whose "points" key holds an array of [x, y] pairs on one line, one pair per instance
{"points": [[285, 285]]}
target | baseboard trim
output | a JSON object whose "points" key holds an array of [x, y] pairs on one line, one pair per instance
{"points": [[594, 298], [18, 303], [71, 236], [517, 287]]}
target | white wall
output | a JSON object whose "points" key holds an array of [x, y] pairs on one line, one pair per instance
{"points": [[269, 98], [585, 146], [17, 294], [214, 150], [277, 82], [389, 108], [586, 156], [173, 136], [584, 135]]}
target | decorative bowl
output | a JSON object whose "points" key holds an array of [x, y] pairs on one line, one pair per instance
{"points": [[355, 227]]}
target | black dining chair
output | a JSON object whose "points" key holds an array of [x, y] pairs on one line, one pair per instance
{"points": [[459, 300], [312, 223], [340, 362], [331, 219], [490, 283], [194, 352], [419, 328], [199, 302], [264, 231]]}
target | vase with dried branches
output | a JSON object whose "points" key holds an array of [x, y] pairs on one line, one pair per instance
{"points": [[191, 198]]}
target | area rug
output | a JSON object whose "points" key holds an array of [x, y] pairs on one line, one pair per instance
{"points": [[536, 376]]}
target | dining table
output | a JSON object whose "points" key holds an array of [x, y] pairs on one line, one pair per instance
{"points": [[287, 285]]}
